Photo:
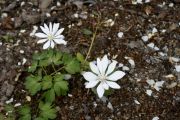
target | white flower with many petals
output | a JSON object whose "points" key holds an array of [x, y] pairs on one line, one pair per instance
{"points": [[103, 75], [51, 35]]}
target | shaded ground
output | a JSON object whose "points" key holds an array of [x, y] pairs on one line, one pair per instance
{"points": [[134, 21]]}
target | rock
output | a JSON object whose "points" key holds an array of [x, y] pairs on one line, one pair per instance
{"points": [[6, 91], [10, 7], [31, 19], [136, 44], [18, 22], [43, 4], [176, 1]]}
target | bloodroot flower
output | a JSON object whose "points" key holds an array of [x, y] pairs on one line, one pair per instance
{"points": [[51, 35], [103, 75]]}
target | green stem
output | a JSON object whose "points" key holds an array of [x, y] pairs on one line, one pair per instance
{"points": [[92, 40], [57, 70], [54, 68], [44, 70]]}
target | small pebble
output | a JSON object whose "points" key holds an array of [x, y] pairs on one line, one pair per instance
{"points": [[35, 28], [70, 95], [76, 15], [28, 98], [137, 102], [171, 4], [48, 15], [120, 34], [149, 92], [109, 105], [21, 51], [125, 68], [17, 105], [177, 68], [4, 15], [58, 4], [22, 3], [145, 38], [154, 30], [24, 61], [9, 101], [155, 118]]}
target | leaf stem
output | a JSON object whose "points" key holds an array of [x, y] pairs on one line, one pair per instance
{"points": [[54, 68], [44, 70], [93, 39], [57, 70]]}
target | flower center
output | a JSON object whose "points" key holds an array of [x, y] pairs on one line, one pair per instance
{"points": [[50, 37], [102, 78]]}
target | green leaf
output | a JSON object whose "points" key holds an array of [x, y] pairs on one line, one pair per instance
{"points": [[46, 82], [8, 107], [47, 111], [33, 67], [24, 110], [58, 77], [50, 53], [73, 66], [2, 117], [41, 118], [57, 58], [80, 57], [25, 117], [87, 31], [25, 113], [49, 95], [39, 56], [33, 84], [66, 58], [60, 85], [44, 63]]}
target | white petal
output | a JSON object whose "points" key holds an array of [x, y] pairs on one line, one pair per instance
{"points": [[59, 37], [91, 84], [89, 76], [113, 85], [55, 27], [100, 91], [50, 27], [59, 32], [111, 67], [104, 63], [46, 27], [116, 76], [46, 31], [40, 35], [60, 41], [99, 65], [41, 41], [150, 82], [47, 44], [105, 86], [94, 68], [52, 44]]}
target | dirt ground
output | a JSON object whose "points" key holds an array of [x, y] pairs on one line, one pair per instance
{"points": [[156, 58]]}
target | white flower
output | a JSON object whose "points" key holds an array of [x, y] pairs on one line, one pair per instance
{"points": [[51, 35], [103, 73], [156, 85]]}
